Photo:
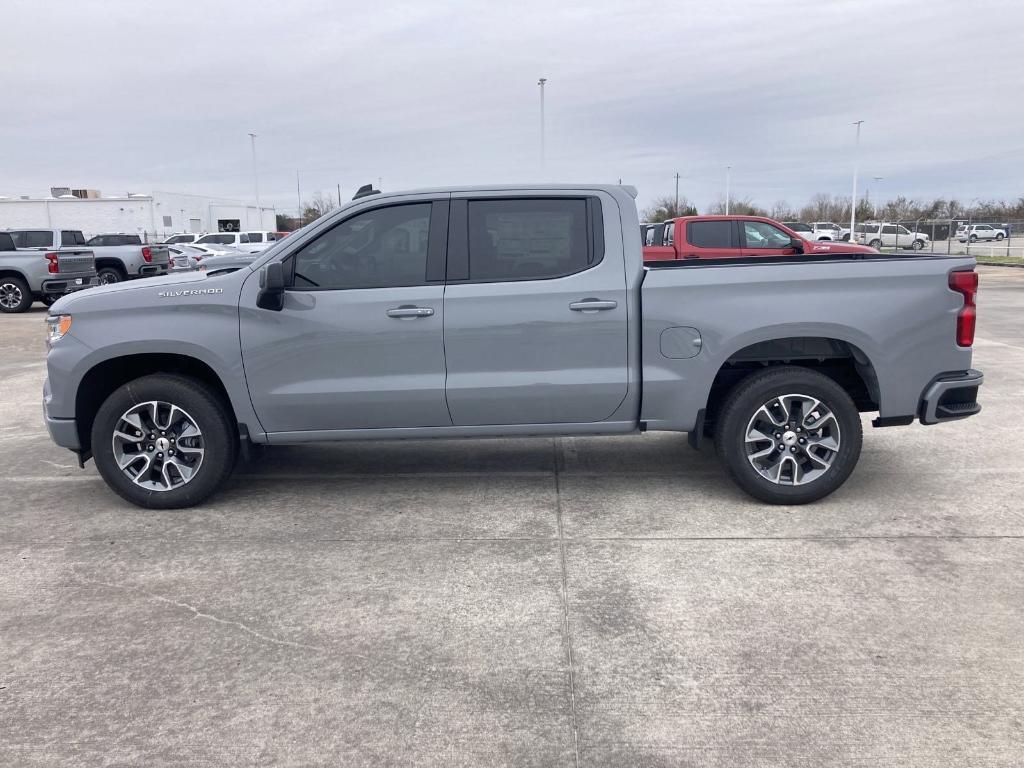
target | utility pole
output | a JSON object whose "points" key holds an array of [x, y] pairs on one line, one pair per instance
{"points": [[853, 197], [339, 195], [298, 196], [728, 168], [676, 209], [541, 83], [256, 183]]}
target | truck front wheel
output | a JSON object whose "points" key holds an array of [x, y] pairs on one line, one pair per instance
{"points": [[164, 442], [789, 435]]}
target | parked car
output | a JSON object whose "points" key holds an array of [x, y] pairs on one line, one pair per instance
{"points": [[185, 258], [495, 311], [733, 237], [829, 230], [975, 232], [28, 275], [806, 231], [114, 263], [252, 242], [227, 263], [183, 238], [889, 235]]}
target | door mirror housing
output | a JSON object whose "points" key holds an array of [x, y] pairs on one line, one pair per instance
{"points": [[796, 244], [271, 295]]}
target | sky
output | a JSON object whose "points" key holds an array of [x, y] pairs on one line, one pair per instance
{"points": [[134, 96]]}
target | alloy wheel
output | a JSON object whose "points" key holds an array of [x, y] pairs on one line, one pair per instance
{"points": [[158, 445], [10, 295], [793, 439]]}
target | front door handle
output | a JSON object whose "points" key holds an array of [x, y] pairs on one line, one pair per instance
{"points": [[410, 312], [592, 305]]}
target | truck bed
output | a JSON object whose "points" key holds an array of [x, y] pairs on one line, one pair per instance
{"points": [[895, 314]]}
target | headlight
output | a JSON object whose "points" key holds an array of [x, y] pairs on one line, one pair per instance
{"points": [[56, 327]]}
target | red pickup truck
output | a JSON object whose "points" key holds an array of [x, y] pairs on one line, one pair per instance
{"points": [[724, 237]]}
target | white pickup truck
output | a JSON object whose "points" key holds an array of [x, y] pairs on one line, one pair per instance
{"points": [[829, 230], [250, 242]]}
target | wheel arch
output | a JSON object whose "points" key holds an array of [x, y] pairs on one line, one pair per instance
{"points": [[107, 375], [841, 359]]}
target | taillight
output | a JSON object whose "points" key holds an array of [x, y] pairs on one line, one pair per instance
{"points": [[51, 265], [966, 284], [147, 254]]}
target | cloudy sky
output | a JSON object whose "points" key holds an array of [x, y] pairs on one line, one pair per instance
{"points": [[134, 95]]}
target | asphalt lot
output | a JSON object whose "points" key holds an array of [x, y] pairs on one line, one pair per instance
{"points": [[592, 602]]}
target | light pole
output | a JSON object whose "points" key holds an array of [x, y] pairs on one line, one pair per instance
{"points": [[298, 196], [256, 182], [541, 83], [876, 180], [728, 170], [676, 209], [853, 197]]}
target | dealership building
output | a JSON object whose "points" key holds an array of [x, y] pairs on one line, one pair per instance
{"points": [[153, 216]]}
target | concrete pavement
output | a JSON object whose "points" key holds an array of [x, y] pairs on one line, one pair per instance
{"points": [[591, 602]]}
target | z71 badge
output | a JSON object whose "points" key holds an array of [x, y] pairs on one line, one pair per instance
{"points": [[197, 292]]}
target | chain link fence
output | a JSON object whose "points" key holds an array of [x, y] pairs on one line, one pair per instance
{"points": [[985, 239]]}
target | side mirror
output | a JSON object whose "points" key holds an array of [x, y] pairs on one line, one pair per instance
{"points": [[796, 244], [271, 295]]}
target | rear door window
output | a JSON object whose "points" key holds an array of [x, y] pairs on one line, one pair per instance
{"points": [[33, 238], [710, 234], [71, 237], [529, 239], [254, 237]]}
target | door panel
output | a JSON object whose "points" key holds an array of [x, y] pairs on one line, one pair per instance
{"points": [[336, 360], [535, 351], [359, 342]]}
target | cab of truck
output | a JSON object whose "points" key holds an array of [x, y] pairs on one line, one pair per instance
{"points": [[733, 237]]}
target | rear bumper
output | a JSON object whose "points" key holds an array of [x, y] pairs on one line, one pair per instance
{"points": [[951, 396], [68, 284], [148, 270]]}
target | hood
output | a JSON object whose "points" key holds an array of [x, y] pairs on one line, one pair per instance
{"points": [[163, 282]]}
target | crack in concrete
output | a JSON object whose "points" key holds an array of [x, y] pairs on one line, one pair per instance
{"points": [[198, 614]]}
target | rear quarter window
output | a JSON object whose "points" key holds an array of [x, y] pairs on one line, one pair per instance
{"points": [[6, 242], [710, 234]]}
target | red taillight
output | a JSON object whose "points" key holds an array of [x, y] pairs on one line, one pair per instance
{"points": [[51, 265], [966, 284], [147, 254]]}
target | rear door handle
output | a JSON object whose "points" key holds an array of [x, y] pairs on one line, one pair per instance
{"points": [[592, 305], [410, 312]]}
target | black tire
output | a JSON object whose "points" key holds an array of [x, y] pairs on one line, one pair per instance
{"points": [[917, 245], [974, 238], [110, 275], [210, 414], [761, 388], [14, 295], [846, 237], [50, 299], [999, 235], [876, 243]]}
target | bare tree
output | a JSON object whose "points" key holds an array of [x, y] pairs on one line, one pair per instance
{"points": [[738, 206], [317, 207], [665, 208]]}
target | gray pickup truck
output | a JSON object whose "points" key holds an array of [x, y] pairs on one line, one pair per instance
{"points": [[475, 312], [119, 257], [28, 275]]}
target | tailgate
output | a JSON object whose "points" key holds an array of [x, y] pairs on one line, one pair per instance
{"points": [[76, 262], [160, 254]]}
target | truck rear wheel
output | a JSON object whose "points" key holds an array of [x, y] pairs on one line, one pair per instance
{"points": [[14, 295], [789, 435], [164, 442], [110, 275]]}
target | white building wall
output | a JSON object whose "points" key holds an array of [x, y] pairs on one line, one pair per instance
{"points": [[141, 214]]}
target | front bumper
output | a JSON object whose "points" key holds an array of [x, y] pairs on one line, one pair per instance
{"points": [[951, 396], [64, 432]]}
